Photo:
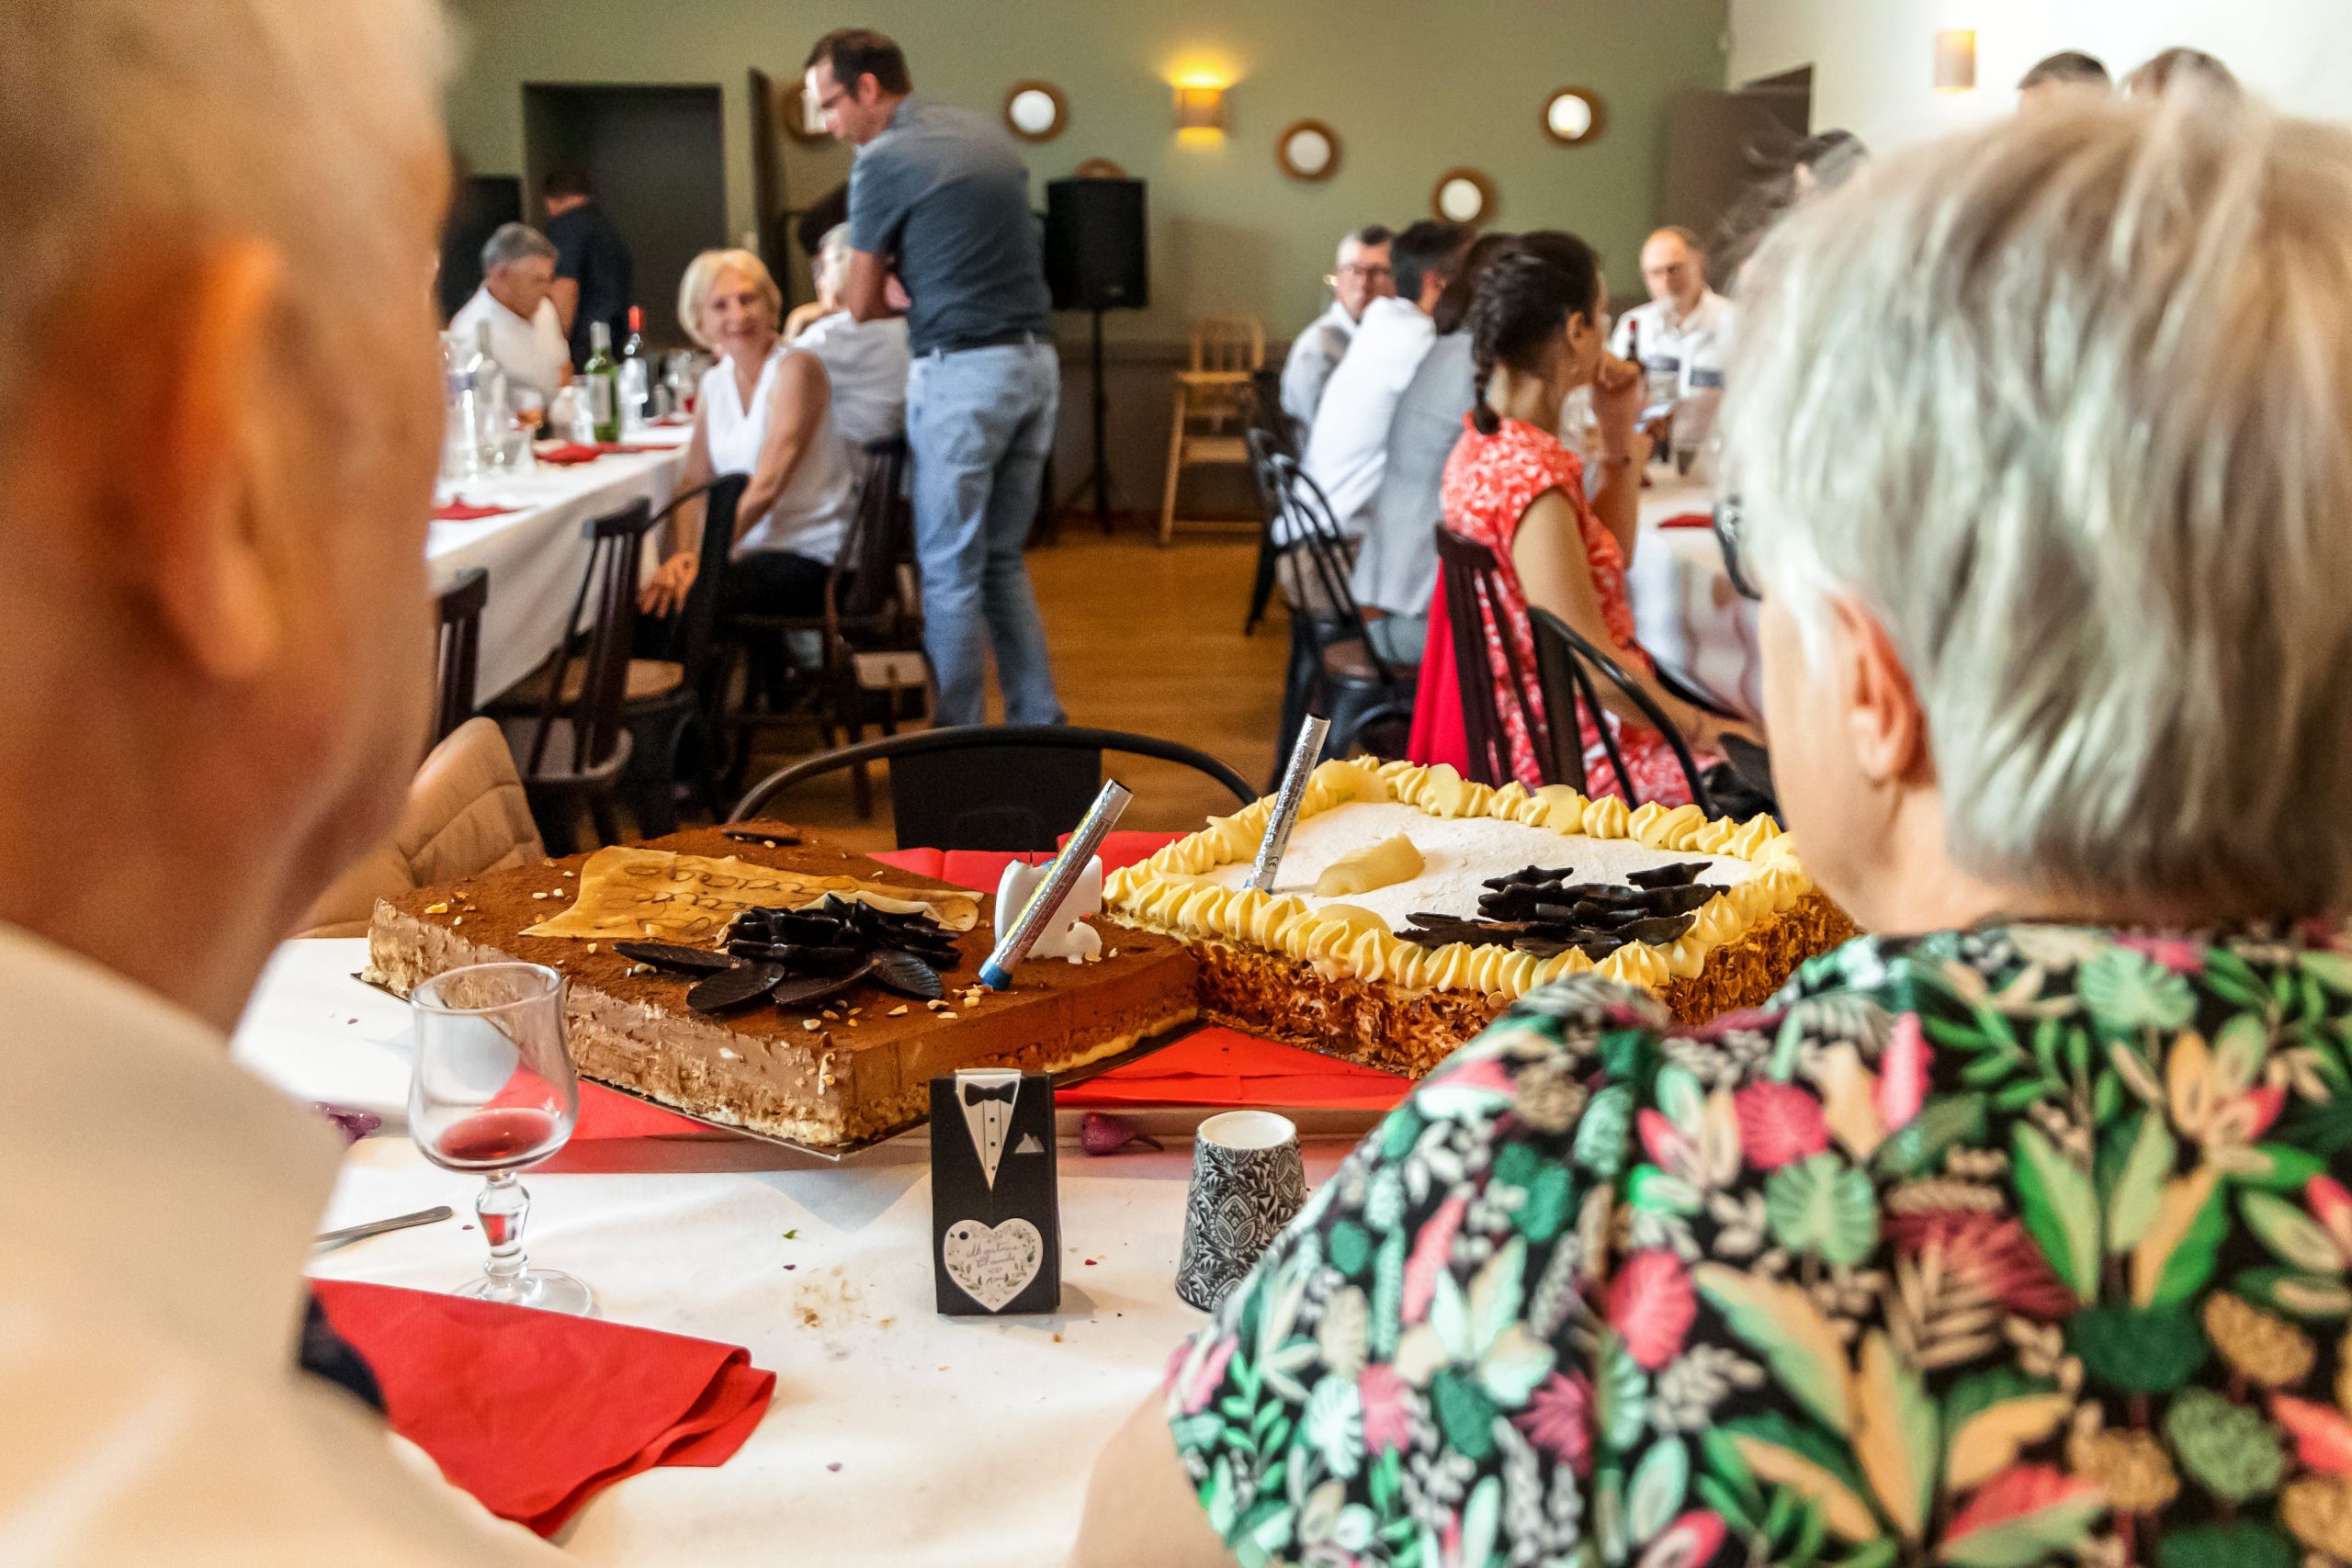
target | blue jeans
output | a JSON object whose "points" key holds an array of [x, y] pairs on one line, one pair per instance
{"points": [[980, 425]]}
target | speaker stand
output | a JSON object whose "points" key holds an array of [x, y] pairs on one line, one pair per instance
{"points": [[1098, 476]]}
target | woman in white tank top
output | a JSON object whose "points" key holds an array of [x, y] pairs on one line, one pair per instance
{"points": [[764, 409]]}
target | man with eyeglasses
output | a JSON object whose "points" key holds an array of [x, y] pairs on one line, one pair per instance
{"points": [[1364, 274]]}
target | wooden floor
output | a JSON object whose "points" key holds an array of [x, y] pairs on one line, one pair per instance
{"points": [[1143, 638]]}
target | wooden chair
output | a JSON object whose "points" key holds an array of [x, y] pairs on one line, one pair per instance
{"points": [[1227, 352], [872, 669], [573, 749], [1009, 787], [1564, 665], [1334, 668], [460, 608], [1472, 585], [1270, 432]]}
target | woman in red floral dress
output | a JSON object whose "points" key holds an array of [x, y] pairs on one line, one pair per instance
{"points": [[1512, 486]]}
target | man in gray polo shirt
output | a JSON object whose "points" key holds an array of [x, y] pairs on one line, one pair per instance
{"points": [[939, 206]]}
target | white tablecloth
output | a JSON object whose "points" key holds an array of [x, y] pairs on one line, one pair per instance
{"points": [[1685, 611], [897, 1435], [536, 556]]}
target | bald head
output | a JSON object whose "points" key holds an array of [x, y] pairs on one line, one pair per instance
{"points": [[1674, 267], [219, 416]]}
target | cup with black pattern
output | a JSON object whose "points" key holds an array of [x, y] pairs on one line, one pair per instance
{"points": [[1248, 1183]]}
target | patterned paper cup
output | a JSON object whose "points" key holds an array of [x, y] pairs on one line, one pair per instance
{"points": [[1248, 1183]]}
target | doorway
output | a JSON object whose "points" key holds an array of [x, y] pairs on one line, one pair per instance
{"points": [[657, 157]]}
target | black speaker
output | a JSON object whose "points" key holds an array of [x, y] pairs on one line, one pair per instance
{"points": [[1095, 256]]}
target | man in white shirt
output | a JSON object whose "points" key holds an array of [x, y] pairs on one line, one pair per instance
{"points": [[866, 361], [1347, 448], [525, 332], [213, 623], [1365, 274], [1685, 336]]}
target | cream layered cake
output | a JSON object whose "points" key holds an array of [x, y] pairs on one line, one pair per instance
{"points": [[1412, 905], [781, 984]]}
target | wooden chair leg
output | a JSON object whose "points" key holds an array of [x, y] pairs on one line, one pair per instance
{"points": [[608, 819], [1175, 467]]}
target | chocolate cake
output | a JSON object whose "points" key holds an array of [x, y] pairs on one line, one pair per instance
{"points": [[1412, 905], [836, 1069]]}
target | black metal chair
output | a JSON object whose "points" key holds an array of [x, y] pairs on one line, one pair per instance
{"points": [[574, 749], [1564, 664], [1472, 585], [1013, 787], [1334, 668], [868, 627], [459, 608], [1269, 432]]}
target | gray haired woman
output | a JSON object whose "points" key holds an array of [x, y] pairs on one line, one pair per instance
{"points": [[2019, 1230]]}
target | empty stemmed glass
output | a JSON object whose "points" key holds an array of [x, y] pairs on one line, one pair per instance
{"points": [[494, 1092]]}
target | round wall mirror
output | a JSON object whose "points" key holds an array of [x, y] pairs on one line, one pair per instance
{"points": [[1309, 151], [1572, 116], [1035, 111], [1464, 195]]}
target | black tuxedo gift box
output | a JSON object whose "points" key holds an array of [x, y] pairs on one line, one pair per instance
{"points": [[996, 1235]]}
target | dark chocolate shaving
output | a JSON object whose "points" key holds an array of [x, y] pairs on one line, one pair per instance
{"points": [[907, 974], [681, 960], [1537, 910], [807, 990], [742, 984]]}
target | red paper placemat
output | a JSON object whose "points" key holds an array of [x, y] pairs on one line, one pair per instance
{"points": [[1223, 1067], [464, 512], [1689, 519], [536, 1411]]}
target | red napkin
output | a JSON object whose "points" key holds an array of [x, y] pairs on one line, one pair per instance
{"points": [[1690, 520], [463, 512], [571, 452], [604, 1115], [1223, 1067], [533, 1412]]}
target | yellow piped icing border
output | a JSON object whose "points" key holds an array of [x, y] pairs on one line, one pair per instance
{"points": [[1165, 891]]}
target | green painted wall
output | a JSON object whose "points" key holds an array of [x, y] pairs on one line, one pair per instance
{"points": [[1412, 87]]}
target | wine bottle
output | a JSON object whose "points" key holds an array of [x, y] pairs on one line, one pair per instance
{"points": [[600, 380], [636, 387]]}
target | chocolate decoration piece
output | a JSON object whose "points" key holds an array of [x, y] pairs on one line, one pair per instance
{"points": [[670, 955], [807, 990], [1682, 874], [906, 973], [744, 983]]}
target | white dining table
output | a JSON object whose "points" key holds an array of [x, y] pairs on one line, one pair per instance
{"points": [[1686, 613], [536, 554], [897, 1437]]}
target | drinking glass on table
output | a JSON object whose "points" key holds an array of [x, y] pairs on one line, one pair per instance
{"points": [[494, 1092]]}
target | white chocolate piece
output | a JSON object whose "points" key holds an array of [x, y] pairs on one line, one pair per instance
{"points": [[1067, 935], [1391, 861]]}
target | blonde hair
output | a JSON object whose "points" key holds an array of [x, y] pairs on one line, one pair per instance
{"points": [[284, 120], [702, 276], [2067, 407]]}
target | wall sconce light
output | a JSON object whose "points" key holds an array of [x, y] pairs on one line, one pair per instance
{"points": [[1956, 60], [1199, 107]]}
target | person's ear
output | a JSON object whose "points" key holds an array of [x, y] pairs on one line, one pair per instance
{"points": [[194, 410], [1881, 716]]}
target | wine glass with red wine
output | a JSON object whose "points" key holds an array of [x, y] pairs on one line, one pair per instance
{"points": [[494, 1092]]}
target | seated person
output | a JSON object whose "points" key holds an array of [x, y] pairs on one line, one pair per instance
{"points": [[1349, 443], [1512, 485], [866, 361], [525, 334], [2178, 70], [213, 621], [1684, 333], [1988, 1242], [1362, 276], [1396, 570], [2063, 78], [764, 409]]}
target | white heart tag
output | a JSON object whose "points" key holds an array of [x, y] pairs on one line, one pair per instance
{"points": [[992, 1264]]}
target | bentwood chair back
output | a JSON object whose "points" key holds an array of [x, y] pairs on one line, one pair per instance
{"points": [[1335, 669], [1006, 788], [460, 608], [1566, 663], [572, 750], [1474, 591]]}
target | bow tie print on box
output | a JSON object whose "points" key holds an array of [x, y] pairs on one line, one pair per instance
{"points": [[995, 1217]]}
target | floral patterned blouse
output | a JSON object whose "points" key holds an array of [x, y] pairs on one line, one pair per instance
{"points": [[1489, 483], [1986, 1250]]}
